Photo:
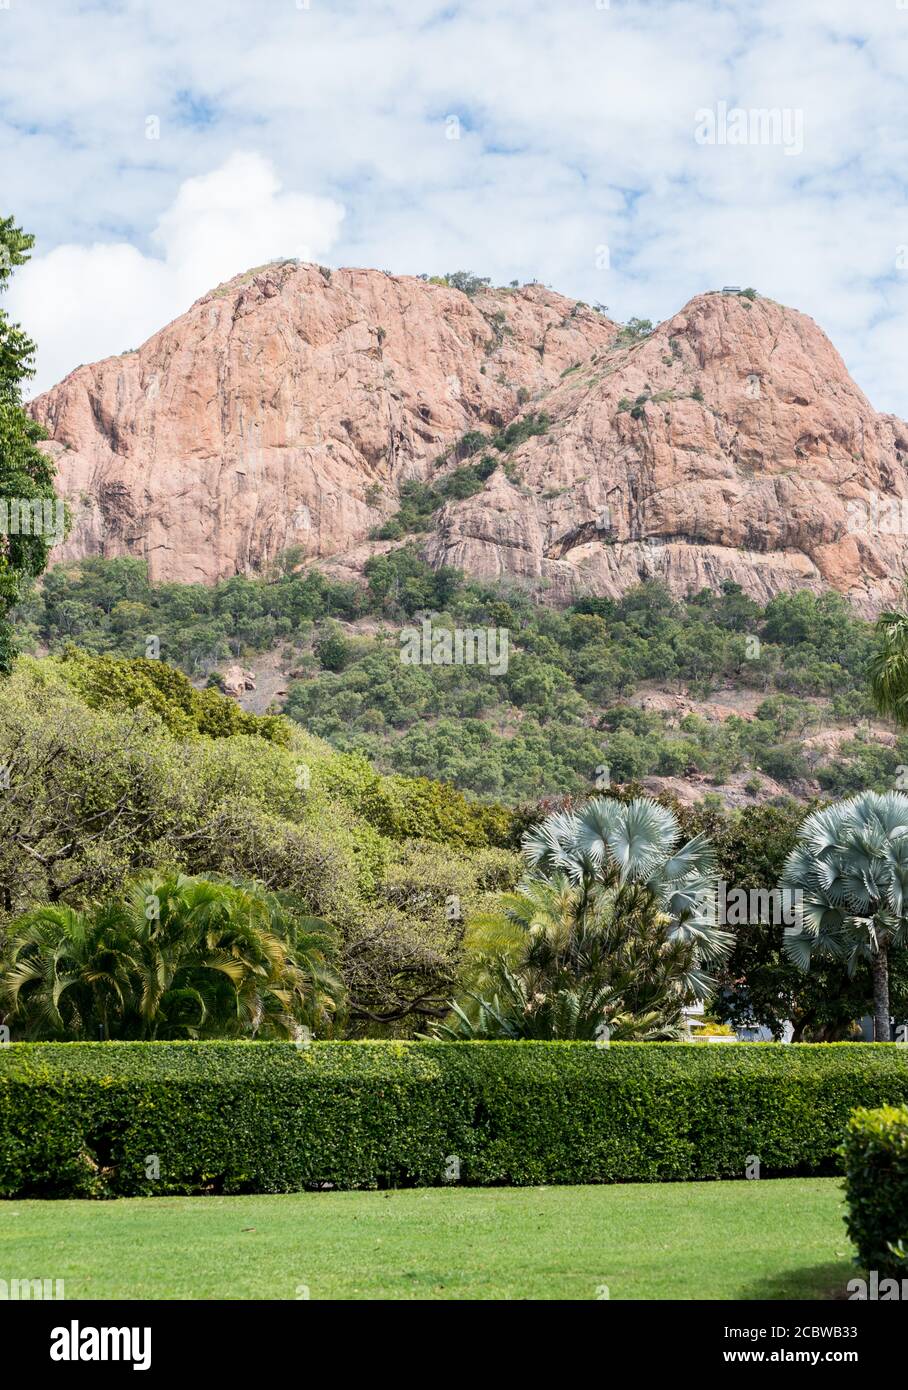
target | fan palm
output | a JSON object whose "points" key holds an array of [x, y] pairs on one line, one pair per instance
{"points": [[611, 931], [850, 870], [553, 965], [620, 844]]}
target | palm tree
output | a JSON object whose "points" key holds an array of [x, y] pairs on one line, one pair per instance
{"points": [[850, 869], [610, 933], [67, 973], [550, 964], [619, 844], [888, 666], [173, 956], [215, 959]]}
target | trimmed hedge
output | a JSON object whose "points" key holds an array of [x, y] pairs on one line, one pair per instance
{"points": [[876, 1188], [92, 1119]]}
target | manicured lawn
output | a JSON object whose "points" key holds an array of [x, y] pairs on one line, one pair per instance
{"points": [[721, 1240]]}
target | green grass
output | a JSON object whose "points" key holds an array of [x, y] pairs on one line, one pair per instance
{"points": [[719, 1240]]}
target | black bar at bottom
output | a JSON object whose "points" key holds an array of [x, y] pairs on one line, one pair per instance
{"points": [[222, 1338]]}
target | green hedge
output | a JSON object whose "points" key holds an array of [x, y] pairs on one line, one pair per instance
{"points": [[89, 1118], [876, 1188]]}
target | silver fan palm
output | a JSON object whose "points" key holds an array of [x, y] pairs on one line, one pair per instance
{"points": [[850, 871], [619, 843]]}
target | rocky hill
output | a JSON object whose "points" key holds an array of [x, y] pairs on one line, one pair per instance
{"points": [[287, 407]]}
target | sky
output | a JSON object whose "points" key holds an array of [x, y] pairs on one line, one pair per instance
{"points": [[613, 149]]}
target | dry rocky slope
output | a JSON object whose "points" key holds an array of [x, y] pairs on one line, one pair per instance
{"points": [[286, 407]]}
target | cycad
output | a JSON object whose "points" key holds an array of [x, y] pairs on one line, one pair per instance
{"points": [[850, 872]]}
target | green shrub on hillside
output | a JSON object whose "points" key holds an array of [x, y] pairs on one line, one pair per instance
{"points": [[112, 683], [420, 501], [416, 808]]}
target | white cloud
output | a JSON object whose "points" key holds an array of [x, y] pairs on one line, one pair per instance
{"points": [[577, 131], [82, 303]]}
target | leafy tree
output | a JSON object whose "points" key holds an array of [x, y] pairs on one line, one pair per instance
{"points": [[333, 649], [634, 331], [111, 683], [465, 281], [402, 581], [26, 474]]}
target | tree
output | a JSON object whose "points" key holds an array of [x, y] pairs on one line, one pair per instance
{"points": [[555, 962], [332, 648], [888, 664], [26, 474], [758, 981], [634, 331], [851, 867], [619, 843], [465, 281], [613, 928], [172, 956]]}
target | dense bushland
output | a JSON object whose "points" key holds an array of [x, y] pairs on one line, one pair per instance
{"points": [[107, 777], [566, 704]]}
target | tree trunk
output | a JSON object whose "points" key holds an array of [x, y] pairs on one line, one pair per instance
{"points": [[881, 994]]}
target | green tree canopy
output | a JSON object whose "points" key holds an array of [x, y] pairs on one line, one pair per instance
{"points": [[26, 474]]}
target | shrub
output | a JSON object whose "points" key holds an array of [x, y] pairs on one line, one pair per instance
{"points": [[875, 1155], [80, 1119], [465, 281], [332, 649], [634, 331], [114, 683], [520, 430]]}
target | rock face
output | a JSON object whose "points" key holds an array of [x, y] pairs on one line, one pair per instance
{"points": [[286, 408], [747, 454]]}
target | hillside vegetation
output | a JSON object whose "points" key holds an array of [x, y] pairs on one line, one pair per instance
{"points": [[118, 770], [774, 696]]}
